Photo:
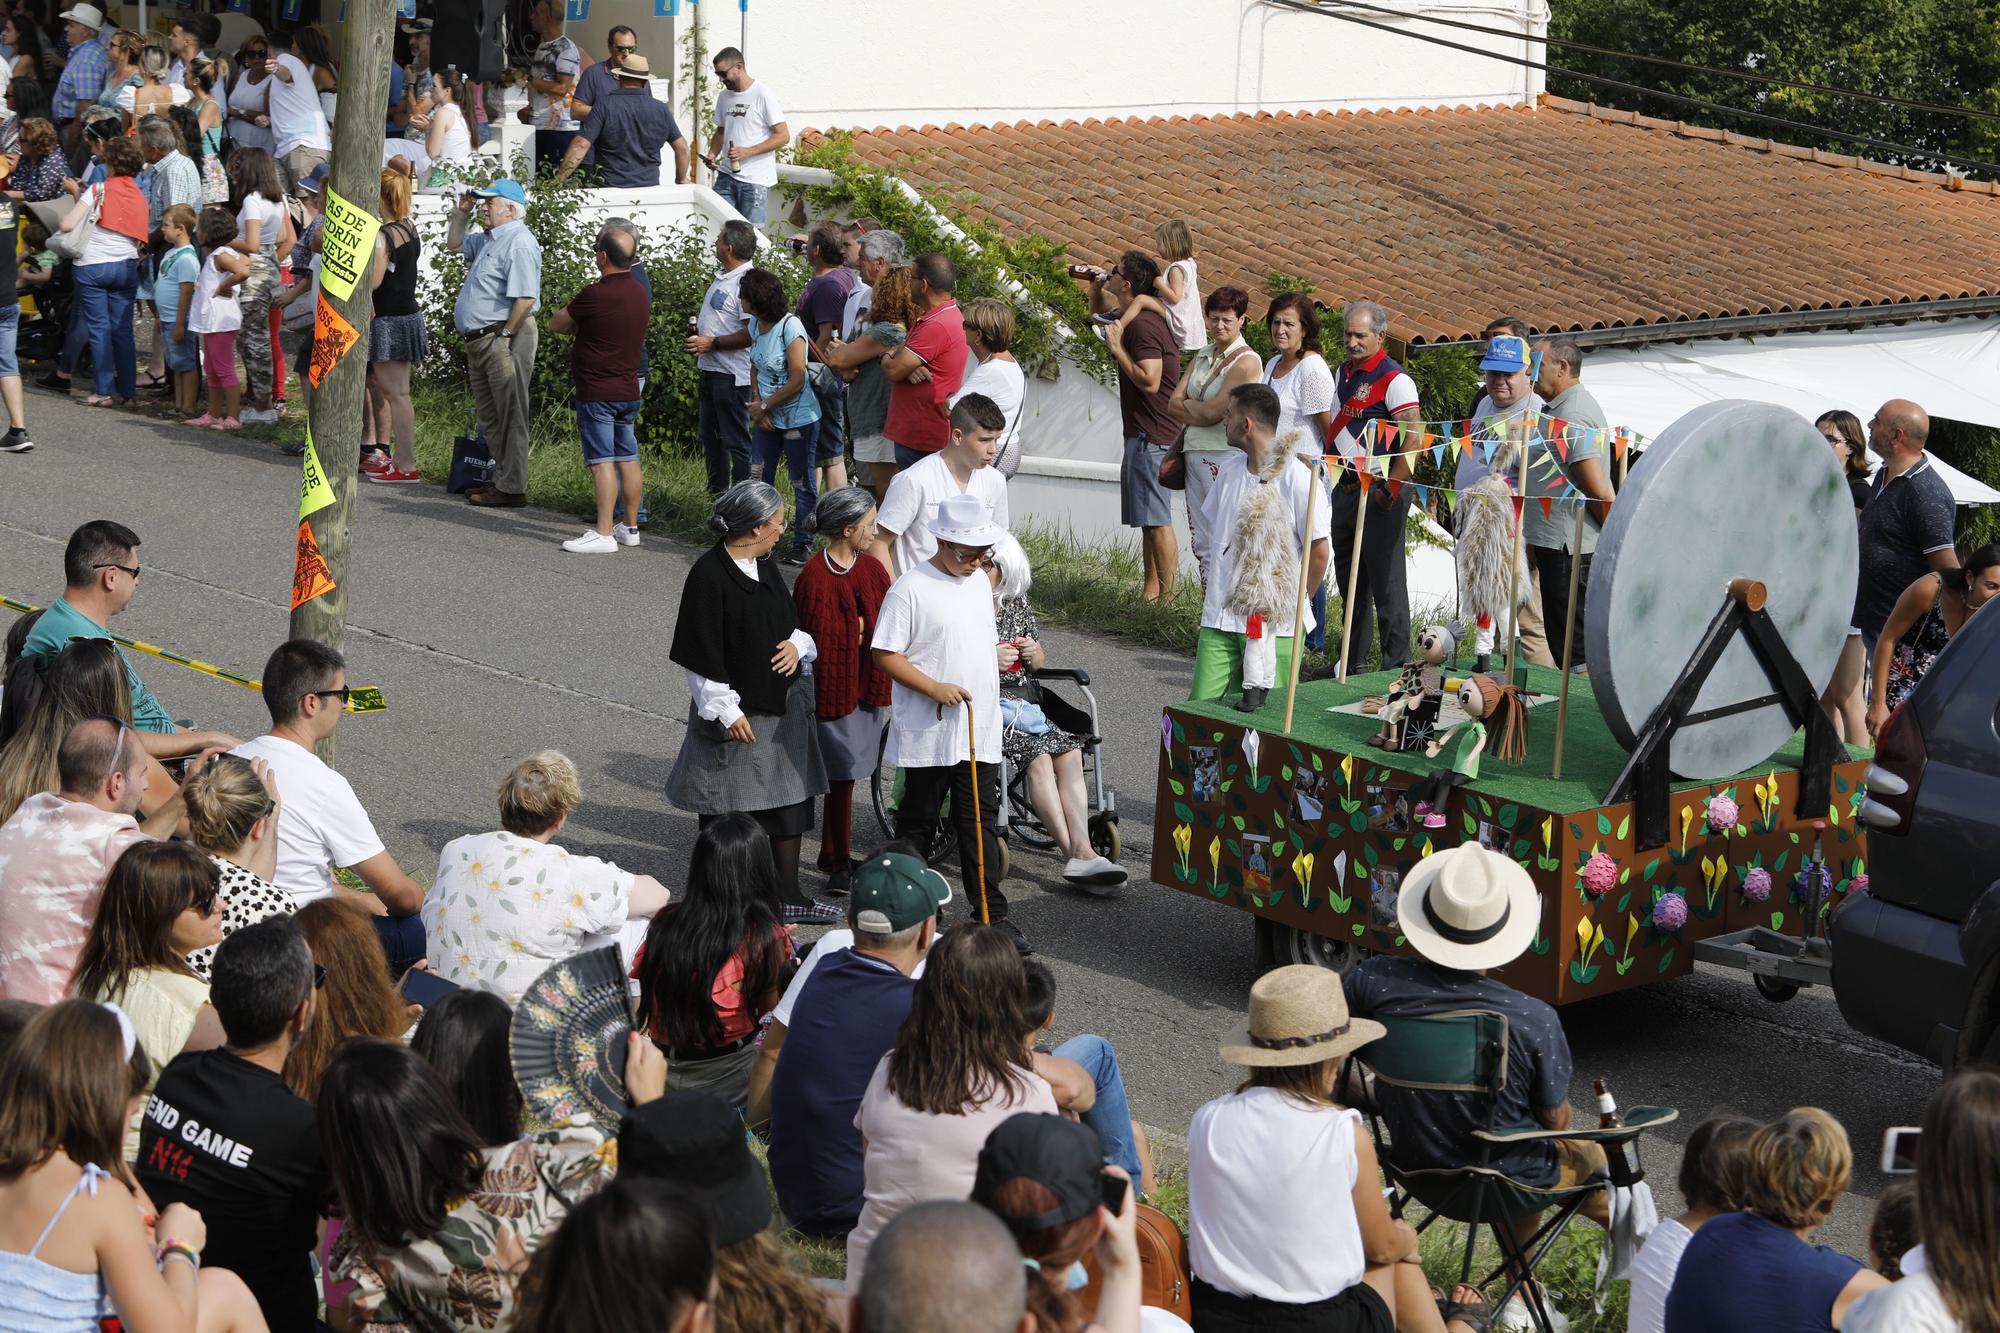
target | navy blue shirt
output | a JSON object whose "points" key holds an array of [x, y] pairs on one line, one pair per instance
{"points": [[843, 1023], [1435, 1128], [626, 131], [1742, 1274], [1905, 520]]}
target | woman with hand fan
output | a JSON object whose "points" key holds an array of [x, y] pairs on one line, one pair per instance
{"points": [[439, 1226]]}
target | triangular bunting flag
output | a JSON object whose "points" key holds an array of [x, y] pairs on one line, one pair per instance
{"points": [[1365, 477], [1548, 506], [1517, 508], [1395, 488], [310, 575]]}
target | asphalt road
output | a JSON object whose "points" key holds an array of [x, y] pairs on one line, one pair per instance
{"points": [[489, 642]]}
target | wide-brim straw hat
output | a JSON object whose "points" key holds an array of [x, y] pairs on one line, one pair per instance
{"points": [[1298, 1016], [1468, 908]]}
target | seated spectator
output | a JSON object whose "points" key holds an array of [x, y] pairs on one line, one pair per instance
{"points": [[232, 813], [50, 694], [357, 998], [465, 1037], [56, 851], [322, 824], [439, 1225], [829, 1034], [1948, 1284], [161, 902], [1043, 1176], [38, 177], [101, 571], [694, 1142], [1893, 1231], [1755, 1271], [75, 1249], [1464, 912], [255, 1172], [1287, 1226], [552, 898], [1051, 757], [945, 1264], [1710, 1184], [958, 1069], [635, 1255], [712, 962], [1928, 615], [1084, 1073]]}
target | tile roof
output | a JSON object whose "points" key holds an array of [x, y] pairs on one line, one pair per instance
{"points": [[1572, 215]]}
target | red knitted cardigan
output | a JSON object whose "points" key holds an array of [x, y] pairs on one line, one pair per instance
{"points": [[839, 611]]}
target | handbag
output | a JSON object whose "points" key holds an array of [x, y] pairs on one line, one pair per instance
{"points": [[1163, 1264], [1018, 714], [470, 465], [1173, 470], [71, 244]]}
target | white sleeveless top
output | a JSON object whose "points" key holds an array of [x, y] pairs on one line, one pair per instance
{"points": [[1184, 315]]}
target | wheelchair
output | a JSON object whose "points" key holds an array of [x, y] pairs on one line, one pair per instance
{"points": [[1017, 819]]}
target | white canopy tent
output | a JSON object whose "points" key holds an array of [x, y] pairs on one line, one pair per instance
{"points": [[1951, 367]]}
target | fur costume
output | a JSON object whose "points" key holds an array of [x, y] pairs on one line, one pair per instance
{"points": [[1491, 567], [1265, 582]]}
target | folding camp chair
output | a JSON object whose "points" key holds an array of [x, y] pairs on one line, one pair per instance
{"points": [[1465, 1051]]}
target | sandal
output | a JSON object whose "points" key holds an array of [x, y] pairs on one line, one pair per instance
{"points": [[154, 382], [98, 400], [1475, 1313]]}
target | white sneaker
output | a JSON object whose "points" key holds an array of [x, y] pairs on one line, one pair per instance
{"points": [[251, 416], [1094, 873], [623, 535], [592, 542], [1514, 1316]]}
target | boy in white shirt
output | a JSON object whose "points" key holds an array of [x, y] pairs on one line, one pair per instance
{"points": [[963, 467], [936, 639], [321, 823]]}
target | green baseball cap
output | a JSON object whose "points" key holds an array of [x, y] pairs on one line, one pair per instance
{"points": [[893, 892]]}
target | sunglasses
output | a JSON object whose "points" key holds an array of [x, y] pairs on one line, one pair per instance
{"points": [[133, 570], [117, 751], [625, 50], [319, 976], [342, 694], [206, 903], [977, 554]]}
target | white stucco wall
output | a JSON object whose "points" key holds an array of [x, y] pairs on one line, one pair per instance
{"points": [[859, 65]]}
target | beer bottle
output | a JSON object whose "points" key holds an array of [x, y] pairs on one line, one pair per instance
{"points": [[1607, 1106]]}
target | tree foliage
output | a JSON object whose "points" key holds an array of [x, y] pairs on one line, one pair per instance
{"points": [[1940, 51]]}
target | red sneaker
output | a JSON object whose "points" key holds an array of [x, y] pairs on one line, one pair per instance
{"points": [[374, 460], [390, 474]]}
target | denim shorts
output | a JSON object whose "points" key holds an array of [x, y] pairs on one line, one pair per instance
{"points": [[10, 325], [183, 353], [606, 431]]}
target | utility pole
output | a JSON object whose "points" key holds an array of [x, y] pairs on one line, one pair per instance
{"points": [[353, 193]]}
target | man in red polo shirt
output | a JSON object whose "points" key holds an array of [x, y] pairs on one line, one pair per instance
{"points": [[926, 370], [609, 320]]}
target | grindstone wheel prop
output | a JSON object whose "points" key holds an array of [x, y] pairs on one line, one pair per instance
{"points": [[1732, 490]]}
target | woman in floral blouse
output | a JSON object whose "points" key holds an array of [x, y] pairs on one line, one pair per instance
{"points": [[439, 1229]]}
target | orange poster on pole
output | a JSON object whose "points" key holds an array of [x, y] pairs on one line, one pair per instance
{"points": [[310, 576], [332, 336]]}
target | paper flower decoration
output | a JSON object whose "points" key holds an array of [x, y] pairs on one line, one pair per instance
{"points": [[1166, 733], [1859, 884], [1812, 883], [1721, 815], [1253, 742], [1757, 884], [1670, 913], [1600, 873]]}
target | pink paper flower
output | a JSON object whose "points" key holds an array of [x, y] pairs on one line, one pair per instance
{"points": [[1670, 913], [1757, 884], [1600, 873], [1721, 815], [1859, 884]]}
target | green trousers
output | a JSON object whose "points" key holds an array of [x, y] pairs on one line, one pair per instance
{"points": [[1218, 663]]}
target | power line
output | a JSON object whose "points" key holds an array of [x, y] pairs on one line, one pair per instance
{"points": [[1715, 70], [1886, 145]]}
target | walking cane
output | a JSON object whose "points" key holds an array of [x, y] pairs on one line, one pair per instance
{"points": [[978, 823]]}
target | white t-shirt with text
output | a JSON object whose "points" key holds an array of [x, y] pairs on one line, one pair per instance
{"points": [[1234, 484], [746, 118], [913, 500], [320, 820]]}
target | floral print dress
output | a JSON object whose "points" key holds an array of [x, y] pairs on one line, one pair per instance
{"points": [[1915, 652], [462, 1280]]}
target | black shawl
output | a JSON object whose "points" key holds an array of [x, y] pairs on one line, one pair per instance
{"points": [[730, 626]]}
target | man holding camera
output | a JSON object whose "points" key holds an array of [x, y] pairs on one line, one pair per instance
{"points": [[495, 316]]}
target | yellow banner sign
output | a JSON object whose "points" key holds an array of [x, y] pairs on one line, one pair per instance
{"points": [[315, 491], [348, 245]]}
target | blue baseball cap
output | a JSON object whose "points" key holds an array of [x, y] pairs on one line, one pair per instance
{"points": [[1506, 352], [314, 181], [510, 190]]}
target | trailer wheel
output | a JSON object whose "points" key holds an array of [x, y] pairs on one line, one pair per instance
{"points": [[1279, 945], [1775, 989]]}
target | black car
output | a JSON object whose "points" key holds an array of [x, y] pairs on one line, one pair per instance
{"points": [[1916, 956]]}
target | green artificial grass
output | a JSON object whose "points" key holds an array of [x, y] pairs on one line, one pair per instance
{"points": [[1592, 757]]}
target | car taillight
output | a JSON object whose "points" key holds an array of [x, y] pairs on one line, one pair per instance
{"points": [[1895, 775]]}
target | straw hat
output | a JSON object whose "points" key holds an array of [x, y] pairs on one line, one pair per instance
{"points": [[1298, 1016], [1468, 908]]}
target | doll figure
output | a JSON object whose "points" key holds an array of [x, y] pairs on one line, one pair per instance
{"points": [[1487, 704], [1409, 715]]}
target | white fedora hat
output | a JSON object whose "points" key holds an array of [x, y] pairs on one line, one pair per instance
{"points": [[1298, 1016], [90, 16], [965, 520], [1468, 908]]}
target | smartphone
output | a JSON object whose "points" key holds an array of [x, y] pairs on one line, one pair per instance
{"points": [[1114, 1190], [1899, 1150], [426, 988]]}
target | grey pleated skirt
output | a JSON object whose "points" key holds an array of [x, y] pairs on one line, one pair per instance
{"points": [[714, 775], [851, 745]]}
